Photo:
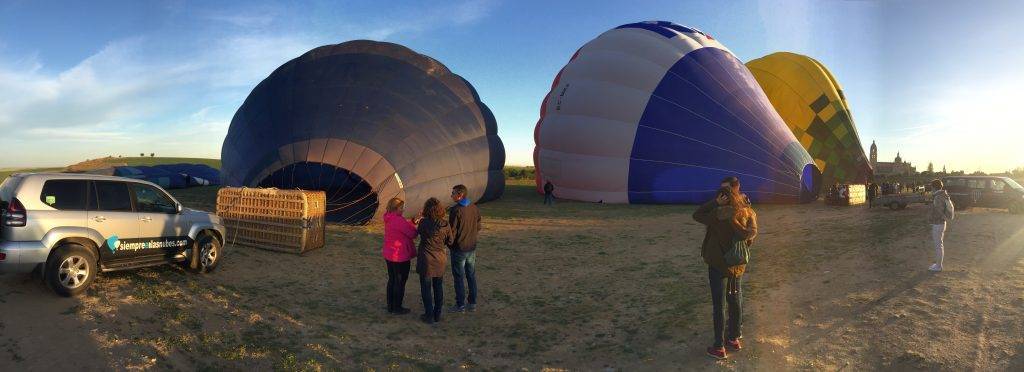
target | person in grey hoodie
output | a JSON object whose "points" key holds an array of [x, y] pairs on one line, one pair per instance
{"points": [[940, 214]]}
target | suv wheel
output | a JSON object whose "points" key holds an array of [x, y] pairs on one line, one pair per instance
{"points": [[1017, 208], [209, 250], [70, 270]]}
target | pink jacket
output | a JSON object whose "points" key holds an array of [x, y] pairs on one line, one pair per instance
{"points": [[398, 235]]}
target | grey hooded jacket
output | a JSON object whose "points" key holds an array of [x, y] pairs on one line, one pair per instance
{"points": [[942, 208]]}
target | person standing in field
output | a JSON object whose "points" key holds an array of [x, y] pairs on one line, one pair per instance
{"points": [[398, 251], [435, 235], [729, 221], [871, 194], [549, 193], [940, 213], [464, 217]]}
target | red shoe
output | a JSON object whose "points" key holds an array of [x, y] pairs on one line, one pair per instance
{"points": [[733, 345], [717, 352]]}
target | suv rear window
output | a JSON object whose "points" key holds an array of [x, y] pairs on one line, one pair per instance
{"points": [[65, 195], [7, 188], [112, 196]]}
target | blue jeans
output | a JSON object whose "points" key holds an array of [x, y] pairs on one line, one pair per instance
{"points": [[464, 265], [717, 280], [549, 199], [432, 291]]}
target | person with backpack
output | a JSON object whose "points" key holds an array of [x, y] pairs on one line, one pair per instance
{"points": [[435, 235], [549, 193], [464, 218], [731, 228], [940, 213]]}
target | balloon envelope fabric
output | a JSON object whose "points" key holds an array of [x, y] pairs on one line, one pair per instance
{"points": [[655, 112], [365, 121], [812, 103]]}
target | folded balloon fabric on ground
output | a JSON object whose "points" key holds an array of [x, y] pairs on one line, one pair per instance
{"points": [[365, 121], [655, 112]]}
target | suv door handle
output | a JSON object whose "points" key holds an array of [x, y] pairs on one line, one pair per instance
{"points": [[99, 218], [147, 219]]}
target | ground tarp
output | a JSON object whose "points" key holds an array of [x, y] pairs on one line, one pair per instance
{"points": [[172, 176]]}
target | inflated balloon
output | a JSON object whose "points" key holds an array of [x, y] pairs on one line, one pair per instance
{"points": [[655, 112], [812, 103], [365, 121]]}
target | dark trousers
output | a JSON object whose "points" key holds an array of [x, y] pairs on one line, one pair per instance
{"points": [[464, 266], [432, 290], [549, 199], [717, 280], [398, 274]]}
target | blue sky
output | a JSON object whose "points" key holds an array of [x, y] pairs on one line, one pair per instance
{"points": [[78, 80]]}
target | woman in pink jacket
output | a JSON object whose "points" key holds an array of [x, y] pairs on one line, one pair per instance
{"points": [[398, 251]]}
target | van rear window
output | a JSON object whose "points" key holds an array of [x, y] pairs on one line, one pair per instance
{"points": [[65, 195]]}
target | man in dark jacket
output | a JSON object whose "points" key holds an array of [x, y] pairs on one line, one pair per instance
{"points": [[464, 218], [549, 193], [717, 240]]}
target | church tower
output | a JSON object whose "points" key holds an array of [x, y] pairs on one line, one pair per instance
{"points": [[874, 153], [899, 160]]}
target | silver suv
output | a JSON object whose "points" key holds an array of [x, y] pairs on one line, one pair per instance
{"points": [[68, 227]]}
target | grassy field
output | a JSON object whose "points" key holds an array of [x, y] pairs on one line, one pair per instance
{"points": [[131, 161], [136, 161], [580, 286], [7, 172]]}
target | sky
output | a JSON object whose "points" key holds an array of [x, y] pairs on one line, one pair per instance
{"points": [[934, 80]]}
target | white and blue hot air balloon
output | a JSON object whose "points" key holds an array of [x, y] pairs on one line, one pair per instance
{"points": [[655, 112]]}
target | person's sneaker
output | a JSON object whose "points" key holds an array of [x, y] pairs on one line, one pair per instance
{"points": [[733, 345], [935, 267], [471, 308], [457, 309], [401, 311], [717, 352], [427, 319]]}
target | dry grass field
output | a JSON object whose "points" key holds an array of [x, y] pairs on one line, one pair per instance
{"points": [[578, 286]]}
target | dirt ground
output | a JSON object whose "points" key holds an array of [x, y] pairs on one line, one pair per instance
{"points": [[578, 286]]}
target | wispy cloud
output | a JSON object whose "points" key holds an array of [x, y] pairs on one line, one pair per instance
{"points": [[135, 93]]}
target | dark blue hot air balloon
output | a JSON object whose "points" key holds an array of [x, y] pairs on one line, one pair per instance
{"points": [[655, 112], [365, 121]]}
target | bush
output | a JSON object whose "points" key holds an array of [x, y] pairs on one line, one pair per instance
{"points": [[513, 172]]}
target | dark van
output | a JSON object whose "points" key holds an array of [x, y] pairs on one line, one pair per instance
{"points": [[985, 192]]}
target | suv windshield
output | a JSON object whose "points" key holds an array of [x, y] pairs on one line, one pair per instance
{"points": [[1013, 184]]}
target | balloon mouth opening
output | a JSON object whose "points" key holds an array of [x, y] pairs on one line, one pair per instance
{"points": [[350, 199], [810, 183]]}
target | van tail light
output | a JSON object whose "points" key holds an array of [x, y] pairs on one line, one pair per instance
{"points": [[15, 214]]}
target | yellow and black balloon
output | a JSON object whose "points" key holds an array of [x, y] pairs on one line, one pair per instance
{"points": [[811, 102]]}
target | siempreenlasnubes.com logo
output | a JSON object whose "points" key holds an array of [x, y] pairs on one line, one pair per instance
{"points": [[116, 244]]}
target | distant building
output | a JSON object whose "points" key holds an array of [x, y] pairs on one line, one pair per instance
{"points": [[896, 168]]}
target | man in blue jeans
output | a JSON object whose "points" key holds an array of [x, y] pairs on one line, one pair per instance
{"points": [[464, 219]]}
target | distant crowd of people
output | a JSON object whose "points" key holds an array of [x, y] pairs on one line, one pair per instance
{"points": [[443, 233]]}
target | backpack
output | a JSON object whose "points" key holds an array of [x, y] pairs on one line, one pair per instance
{"points": [[737, 254]]}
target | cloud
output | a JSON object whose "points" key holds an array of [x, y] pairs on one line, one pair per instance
{"points": [[171, 93], [242, 20]]}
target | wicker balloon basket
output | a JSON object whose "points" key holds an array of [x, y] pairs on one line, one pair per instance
{"points": [[846, 195], [279, 220]]}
